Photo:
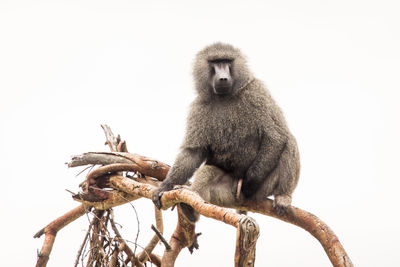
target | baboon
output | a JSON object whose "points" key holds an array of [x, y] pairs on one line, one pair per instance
{"points": [[235, 132]]}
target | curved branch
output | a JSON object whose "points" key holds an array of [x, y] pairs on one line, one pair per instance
{"points": [[144, 165], [51, 230], [309, 222], [183, 236], [296, 216]]}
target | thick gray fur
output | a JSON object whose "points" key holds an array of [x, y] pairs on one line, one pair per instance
{"points": [[240, 135]]}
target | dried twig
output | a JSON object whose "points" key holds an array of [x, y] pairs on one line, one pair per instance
{"points": [[97, 251], [161, 237], [112, 141], [84, 242], [126, 248], [146, 253]]}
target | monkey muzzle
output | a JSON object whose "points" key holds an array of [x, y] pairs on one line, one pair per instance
{"points": [[222, 86], [222, 81], [222, 90]]}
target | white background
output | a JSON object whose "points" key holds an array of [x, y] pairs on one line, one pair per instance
{"points": [[333, 66]]}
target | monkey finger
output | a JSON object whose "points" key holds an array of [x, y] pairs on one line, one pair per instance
{"points": [[280, 210], [157, 203], [157, 200]]}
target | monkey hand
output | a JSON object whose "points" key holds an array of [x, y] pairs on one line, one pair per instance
{"points": [[248, 188], [250, 184], [156, 197], [157, 194]]}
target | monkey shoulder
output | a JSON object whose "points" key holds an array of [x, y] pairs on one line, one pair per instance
{"points": [[196, 125], [259, 102], [266, 113], [257, 96]]}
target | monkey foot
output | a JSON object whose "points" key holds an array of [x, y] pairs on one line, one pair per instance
{"points": [[195, 244], [282, 204]]}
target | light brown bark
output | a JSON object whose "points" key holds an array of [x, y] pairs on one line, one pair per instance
{"points": [[50, 232], [127, 189]]}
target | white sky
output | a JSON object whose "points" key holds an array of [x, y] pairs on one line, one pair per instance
{"points": [[333, 66]]}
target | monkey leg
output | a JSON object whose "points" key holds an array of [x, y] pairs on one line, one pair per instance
{"points": [[214, 186], [190, 214], [282, 181]]}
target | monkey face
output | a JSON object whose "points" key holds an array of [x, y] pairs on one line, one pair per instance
{"points": [[221, 81], [219, 71]]}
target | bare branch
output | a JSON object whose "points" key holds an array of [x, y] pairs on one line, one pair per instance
{"points": [[112, 141], [51, 230], [146, 253], [183, 236], [114, 199], [161, 237], [121, 189], [125, 246], [173, 197], [296, 216], [97, 158], [84, 242], [311, 224], [246, 239], [144, 165]]}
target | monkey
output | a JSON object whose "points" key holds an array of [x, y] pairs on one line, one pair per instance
{"points": [[237, 144]]}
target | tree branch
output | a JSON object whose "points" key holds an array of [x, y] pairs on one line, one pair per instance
{"points": [[109, 189], [51, 230], [296, 216], [146, 253], [144, 165]]}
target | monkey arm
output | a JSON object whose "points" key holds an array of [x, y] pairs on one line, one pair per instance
{"points": [[268, 156], [186, 163]]}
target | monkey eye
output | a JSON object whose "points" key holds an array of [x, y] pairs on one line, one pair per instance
{"points": [[212, 69]]}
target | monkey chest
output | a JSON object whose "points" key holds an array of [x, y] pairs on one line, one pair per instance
{"points": [[233, 146]]}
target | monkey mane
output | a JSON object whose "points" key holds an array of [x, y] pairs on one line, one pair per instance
{"points": [[220, 51]]}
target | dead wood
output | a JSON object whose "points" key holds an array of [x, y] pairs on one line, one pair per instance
{"points": [[124, 245], [144, 165], [183, 236], [309, 222], [107, 187], [296, 216], [146, 253], [246, 239], [50, 232], [108, 199]]}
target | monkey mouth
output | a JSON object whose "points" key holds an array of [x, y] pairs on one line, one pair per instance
{"points": [[222, 90]]}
